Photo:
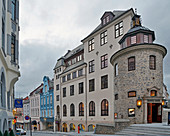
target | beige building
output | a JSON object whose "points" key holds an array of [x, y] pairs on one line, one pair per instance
{"points": [[83, 77], [9, 66]]}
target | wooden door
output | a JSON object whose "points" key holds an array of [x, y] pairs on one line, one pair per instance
{"points": [[149, 113]]}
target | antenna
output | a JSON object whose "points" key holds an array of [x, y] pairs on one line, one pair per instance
{"points": [[136, 11]]}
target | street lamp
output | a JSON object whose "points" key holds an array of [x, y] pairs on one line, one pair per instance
{"points": [[139, 102]]}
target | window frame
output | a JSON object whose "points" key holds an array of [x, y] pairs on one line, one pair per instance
{"points": [[104, 107], [103, 38], [104, 82], [81, 88], [91, 66], [71, 90], [118, 29], [104, 61], [72, 110], [131, 66], [64, 110], [64, 92], [129, 115], [91, 85], [81, 109], [91, 45], [91, 108], [152, 63]]}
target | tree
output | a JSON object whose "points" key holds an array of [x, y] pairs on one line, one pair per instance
{"points": [[11, 133], [6, 133]]}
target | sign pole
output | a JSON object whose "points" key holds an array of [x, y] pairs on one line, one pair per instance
{"points": [[30, 127]]}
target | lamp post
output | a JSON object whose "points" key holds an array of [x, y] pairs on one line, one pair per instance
{"points": [[139, 102]]}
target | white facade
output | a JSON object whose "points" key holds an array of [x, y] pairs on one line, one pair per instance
{"points": [[97, 49], [35, 107], [26, 112], [9, 68]]}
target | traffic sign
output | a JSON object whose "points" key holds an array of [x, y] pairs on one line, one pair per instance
{"points": [[27, 117]]}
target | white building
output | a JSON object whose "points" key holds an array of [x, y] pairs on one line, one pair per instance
{"points": [[26, 112], [9, 67], [35, 107], [83, 79]]}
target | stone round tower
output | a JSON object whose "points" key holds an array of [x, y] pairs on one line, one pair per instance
{"points": [[138, 76]]}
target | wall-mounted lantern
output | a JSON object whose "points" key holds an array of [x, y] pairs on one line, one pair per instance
{"points": [[139, 102]]}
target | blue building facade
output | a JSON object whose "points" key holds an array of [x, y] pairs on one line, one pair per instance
{"points": [[47, 104]]}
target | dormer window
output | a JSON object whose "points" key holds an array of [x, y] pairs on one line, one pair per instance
{"points": [[107, 17], [133, 39], [146, 38]]}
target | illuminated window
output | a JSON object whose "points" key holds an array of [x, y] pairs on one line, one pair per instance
{"points": [[132, 94], [104, 108], [81, 109], [131, 112], [153, 93], [116, 115]]}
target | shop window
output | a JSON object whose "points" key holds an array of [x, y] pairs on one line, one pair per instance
{"points": [[153, 93], [132, 94], [131, 112]]}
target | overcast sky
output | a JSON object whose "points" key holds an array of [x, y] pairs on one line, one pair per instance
{"points": [[51, 27]]}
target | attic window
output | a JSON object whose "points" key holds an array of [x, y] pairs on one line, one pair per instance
{"points": [[106, 20]]}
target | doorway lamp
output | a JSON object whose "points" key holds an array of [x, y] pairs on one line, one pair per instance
{"points": [[139, 102]]}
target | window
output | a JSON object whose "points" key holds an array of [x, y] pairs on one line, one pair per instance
{"points": [[119, 29], [51, 112], [131, 112], [104, 108], [13, 10], [69, 63], [13, 55], [81, 109], [104, 82], [81, 88], [152, 62], [57, 76], [116, 69], [57, 87], [153, 93], [91, 85], [104, 61], [74, 74], [57, 98], [91, 45], [146, 38], [47, 99], [133, 39], [58, 110], [116, 97], [72, 110], [64, 92], [68, 77], [131, 63], [51, 100], [107, 19], [73, 60], [115, 115], [64, 79], [79, 58], [71, 90], [91, 108], [91, 66], [103, 38], [132, 94], [80, 72], [64, 110], [3, 35]]}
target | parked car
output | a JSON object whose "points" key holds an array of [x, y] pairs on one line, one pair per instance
{"points": [[20, 131]]}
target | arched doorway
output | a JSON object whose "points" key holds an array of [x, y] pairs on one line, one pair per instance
{"points": [[64, 127], [72, 127], [91, 127], [2, 90], [82, 127], [5, 125]]}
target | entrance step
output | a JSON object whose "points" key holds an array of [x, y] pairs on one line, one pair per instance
{"points": [[146, 129]]}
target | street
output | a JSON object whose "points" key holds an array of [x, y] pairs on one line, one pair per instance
{"points": [[49, 133]]}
